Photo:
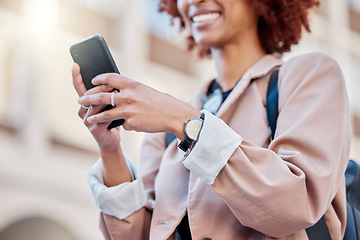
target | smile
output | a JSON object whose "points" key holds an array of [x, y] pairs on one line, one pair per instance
{"points": [[205, 17]]}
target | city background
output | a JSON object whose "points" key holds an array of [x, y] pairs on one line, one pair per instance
{"points": [[44, 148]]}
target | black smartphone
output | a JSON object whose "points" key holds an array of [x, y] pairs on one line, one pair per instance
{"points": [[94, 58]]}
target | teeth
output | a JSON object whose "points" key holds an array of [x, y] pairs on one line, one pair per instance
{"points": [[205, 17]]}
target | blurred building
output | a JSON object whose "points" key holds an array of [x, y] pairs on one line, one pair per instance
{"points": [[44, 148]]}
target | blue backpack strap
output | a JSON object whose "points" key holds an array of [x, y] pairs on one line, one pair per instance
{"points": [[320, 229], [272, 102], [352, 179], [169, 137]]}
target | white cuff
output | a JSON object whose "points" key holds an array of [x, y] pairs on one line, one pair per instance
{"points": [[119, 201], [217, 142]]}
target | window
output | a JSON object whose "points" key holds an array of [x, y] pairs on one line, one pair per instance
{"points": [[111, 8]]}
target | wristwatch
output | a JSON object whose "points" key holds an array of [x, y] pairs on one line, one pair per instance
{"points": [[192, 130]]}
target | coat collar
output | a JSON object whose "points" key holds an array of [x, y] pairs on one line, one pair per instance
{"points": [[258, 70]]}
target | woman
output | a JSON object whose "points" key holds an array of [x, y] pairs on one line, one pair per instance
{"points": [[233, 182]]}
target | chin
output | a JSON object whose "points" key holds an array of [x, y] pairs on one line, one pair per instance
{"points": [[208, 41], [209, 44]]}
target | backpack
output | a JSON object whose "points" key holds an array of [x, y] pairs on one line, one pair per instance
{"points": [[318, 231]]}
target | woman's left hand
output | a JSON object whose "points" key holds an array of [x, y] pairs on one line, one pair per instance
{"points": [[143, 108]]}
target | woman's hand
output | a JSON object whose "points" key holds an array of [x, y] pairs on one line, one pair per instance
{"points": [[143, 108], [115, 170], [106, 139]]}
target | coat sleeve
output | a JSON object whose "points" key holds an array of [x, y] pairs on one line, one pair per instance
{"points": [[289, 185], [126, 209]]}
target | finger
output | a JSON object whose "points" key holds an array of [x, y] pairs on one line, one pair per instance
{"points": [[98, 99], [113, 79], [99, 89], [82, 112], [106, 116], [77, 80], [98, 128], [92, 111]]}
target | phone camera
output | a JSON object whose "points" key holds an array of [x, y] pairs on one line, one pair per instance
{"points": [[75, 52]]}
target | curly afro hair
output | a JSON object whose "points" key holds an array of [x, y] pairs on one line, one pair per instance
{"points": [[279, 27]]}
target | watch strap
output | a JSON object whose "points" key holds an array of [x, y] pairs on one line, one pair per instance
{"points": [[184, 145]]}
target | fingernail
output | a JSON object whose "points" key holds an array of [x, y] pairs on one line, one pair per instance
{"points": [[80, 100], [90, 120], [74, 65]]}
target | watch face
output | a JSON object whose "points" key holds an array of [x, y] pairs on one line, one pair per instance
{"points": [[193, 127]]}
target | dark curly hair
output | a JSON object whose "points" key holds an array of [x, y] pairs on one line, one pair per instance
{"points": [[279, 27]]}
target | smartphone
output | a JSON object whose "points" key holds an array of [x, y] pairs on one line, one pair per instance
{"points": [[94, 58]]}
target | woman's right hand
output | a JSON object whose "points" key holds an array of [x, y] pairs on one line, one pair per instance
{"points": [[115, 169], [107, 140]]}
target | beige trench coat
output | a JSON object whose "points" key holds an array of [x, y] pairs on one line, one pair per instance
{"points": [[265, 190]]}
